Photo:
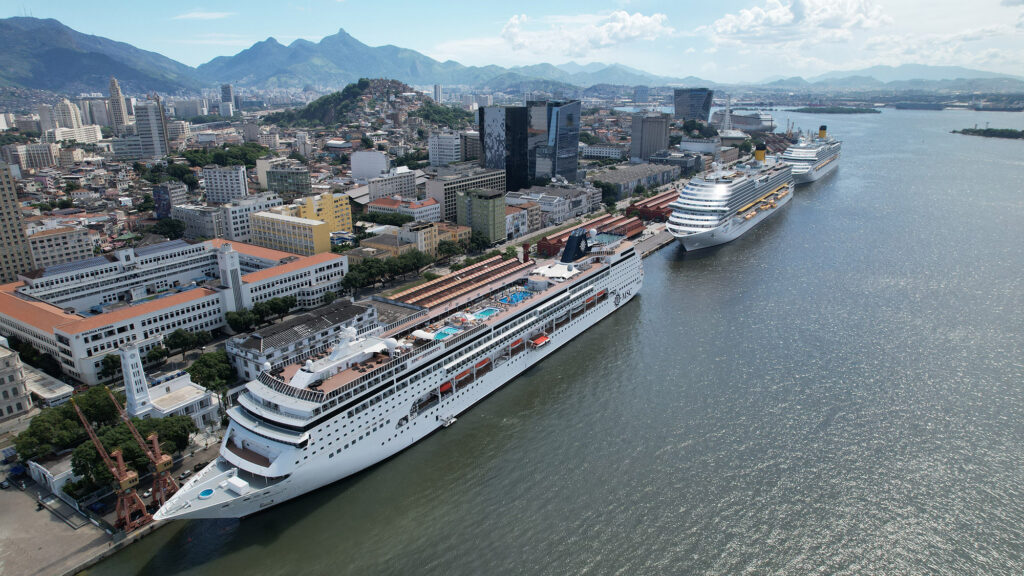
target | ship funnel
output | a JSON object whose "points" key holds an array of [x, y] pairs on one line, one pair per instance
{"points": [[822, 130], [759, 153]]}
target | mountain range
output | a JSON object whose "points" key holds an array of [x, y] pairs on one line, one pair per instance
{"points": [[47, 55]]}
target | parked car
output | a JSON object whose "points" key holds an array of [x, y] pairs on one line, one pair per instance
{"points": [[199, 466], [4, 484], [147, 493], [184, 475]]}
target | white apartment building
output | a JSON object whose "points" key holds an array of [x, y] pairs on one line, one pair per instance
{"points": [[237, 214], [558, 203], [448, 182], [224, 183], [81, 311], [200, 221], [89, 134], [60, 245], [266, 163], [398, 181], [368, 164], [444, 148]]}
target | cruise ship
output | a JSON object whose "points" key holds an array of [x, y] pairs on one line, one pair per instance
{"points": [[746, 121], [721, 204], [812, 158], [379, 390]]}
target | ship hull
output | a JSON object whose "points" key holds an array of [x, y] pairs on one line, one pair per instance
{"points": [[816, 173], [729, 231], [383, 442]]}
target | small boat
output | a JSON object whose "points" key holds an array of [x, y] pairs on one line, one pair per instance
{"points": [[449, 421]]}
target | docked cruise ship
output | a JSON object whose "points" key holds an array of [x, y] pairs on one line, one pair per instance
{"points": [[381, 389], [722, 204], [813, 158], [746, 121]]}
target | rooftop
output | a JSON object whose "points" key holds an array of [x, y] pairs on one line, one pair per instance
{"points": [[147, 307], [253, 250], [293, 266], [286, 218], [301, 326]]}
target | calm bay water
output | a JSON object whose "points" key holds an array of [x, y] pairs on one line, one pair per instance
{"points": [[839, 391]]}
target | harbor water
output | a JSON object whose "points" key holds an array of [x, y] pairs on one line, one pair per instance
{"points": [[840, 391]]}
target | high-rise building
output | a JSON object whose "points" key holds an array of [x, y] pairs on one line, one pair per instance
{"points": [[448, 182], [437, 93], [289, 182], [67, 115], [641, 94], [444, 147], [237, 214], [59, 245], [650, 136], [151, 127], [266, 163], [332, 208], [553, 139], [470, 144], [398, 181], [539, 140], [368, 164], [117, 108], [484, 212], [227, 94], [290, 233], [98, 112], [224, 183], [47, 121], [168, 195], [15, 255], [504, 143], [693, 103]]}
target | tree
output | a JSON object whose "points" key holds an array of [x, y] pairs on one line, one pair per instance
{"points": [[366, 142], [262, 310], [156, 354], [110, 366], [329, 297], [169, 227], [147, 204], [588, 138], [64, 203], [180, 340], [478, 241], [511, 253], [213, 370], [241, 321], [446, 249], [201, 338]]}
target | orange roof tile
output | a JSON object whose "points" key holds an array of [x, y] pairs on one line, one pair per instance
{"points": [[52, 231], [290, 267], [40, 315], [252, 250], [114, 316]]}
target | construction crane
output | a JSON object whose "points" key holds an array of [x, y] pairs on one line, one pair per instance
{"points": [[164, 485], [129, 504]]}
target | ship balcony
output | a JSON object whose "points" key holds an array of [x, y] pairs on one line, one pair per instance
{"points": [[253, 405]]}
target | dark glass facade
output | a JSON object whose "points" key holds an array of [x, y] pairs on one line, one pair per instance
{"points": [[693, 103]]}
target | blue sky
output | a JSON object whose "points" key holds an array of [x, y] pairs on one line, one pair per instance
{"points": [[744, 40]]}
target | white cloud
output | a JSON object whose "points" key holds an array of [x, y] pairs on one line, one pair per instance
{"points": [[216, 39], [809, 20], [579, 35], [1013, 2], [200, 15]]}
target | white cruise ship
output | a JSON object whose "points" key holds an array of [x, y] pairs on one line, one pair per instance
{"points": [[812, 158], [720, 205], [299, 427]]}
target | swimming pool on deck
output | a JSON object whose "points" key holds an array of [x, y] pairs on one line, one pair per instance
{"points": [[515, 297], [486, 313], [446, 332]]}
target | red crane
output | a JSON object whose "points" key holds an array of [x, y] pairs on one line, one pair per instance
{"points": [[164, 485], [129, 504]]}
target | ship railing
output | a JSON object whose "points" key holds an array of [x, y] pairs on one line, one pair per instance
{"points": [[278, 385], [246, 398]]}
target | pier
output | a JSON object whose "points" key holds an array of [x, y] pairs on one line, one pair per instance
{"points": [[655, 242]]}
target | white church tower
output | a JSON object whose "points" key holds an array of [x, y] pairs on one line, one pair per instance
{"points": [[136, 387]]}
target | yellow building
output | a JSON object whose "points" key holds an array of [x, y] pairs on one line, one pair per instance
{"points": [[290, 234], [453, 232], [328, 207]]}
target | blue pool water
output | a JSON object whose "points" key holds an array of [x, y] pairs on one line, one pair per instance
{"points": [[515, 297], [486, 313], [446, 332], [205, 494]]}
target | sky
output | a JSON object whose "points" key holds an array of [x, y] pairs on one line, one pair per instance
{"points": [[726, 41]]}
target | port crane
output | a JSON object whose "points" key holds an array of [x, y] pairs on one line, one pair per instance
{"points": [[164, 485], [131, 511]]}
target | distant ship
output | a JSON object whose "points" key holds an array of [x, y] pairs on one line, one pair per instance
{"points": [[812, 158], [301, 426], [720, 205], [752, 121]]}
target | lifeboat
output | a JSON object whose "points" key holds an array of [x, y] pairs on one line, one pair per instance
{"points": [[517, 343], [446, 387], [483, 363], [539, 341], [462, 375]]}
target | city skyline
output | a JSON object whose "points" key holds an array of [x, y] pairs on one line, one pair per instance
{"points": [[748, 42]]}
